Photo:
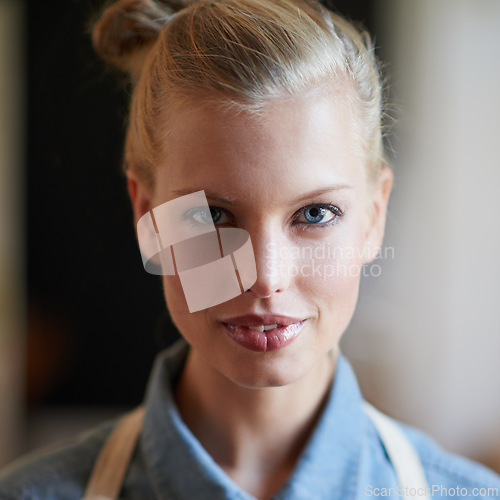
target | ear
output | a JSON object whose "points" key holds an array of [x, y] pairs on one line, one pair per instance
{"points": [[139, 196], [380, 193]]}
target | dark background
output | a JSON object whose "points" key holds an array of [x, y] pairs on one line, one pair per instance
{"points": [[95, 317]]}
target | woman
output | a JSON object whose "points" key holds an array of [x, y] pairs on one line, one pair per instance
{"points": [[259, 186]]}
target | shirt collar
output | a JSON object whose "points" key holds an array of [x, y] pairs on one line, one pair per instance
{"points": [[180, 468]]}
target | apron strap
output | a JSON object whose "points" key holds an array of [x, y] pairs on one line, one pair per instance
{"points": [[110, 468], [111, 465], [402, 454]]}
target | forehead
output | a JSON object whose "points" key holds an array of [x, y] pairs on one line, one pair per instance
{"points": [[304, 140]]}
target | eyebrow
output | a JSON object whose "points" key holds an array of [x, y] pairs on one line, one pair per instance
{"points": [[229, 201], [318, 192]]}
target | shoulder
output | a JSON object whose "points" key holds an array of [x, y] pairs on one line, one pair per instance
{"points": [[446, 471], [62, 470]]}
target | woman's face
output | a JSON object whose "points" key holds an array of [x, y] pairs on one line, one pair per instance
{"points": [[294, 179]]}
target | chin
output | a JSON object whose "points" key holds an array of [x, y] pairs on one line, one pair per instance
{"points": [[267, 370], [269, 380]]}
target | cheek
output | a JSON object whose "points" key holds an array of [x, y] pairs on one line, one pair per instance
{"points": [[330, 271], [336, 259], [173, 291], [175, 300], [333, 282]]}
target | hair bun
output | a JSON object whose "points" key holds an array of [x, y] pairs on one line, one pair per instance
{"points": [[127, 29]]}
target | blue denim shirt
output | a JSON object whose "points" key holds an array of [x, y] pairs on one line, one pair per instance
{"points": [[344, 458]]}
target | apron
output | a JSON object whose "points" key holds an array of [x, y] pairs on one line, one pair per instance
{"points": [[112, 463]]}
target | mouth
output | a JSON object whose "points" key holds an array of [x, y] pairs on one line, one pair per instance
{"points": [[263, 328], [263, 333]]}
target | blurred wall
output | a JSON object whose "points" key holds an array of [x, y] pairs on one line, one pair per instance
{"points": [[11, 230], [426, 339]]}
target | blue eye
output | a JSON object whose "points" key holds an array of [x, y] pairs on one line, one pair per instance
{"points": [[320, 214], [314, 214], [204, 216]]}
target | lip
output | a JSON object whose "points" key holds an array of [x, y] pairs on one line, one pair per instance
{"points": [[271, 340], [262, 319]]}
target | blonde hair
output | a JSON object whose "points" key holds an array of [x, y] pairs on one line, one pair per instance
{"points": [[238, 52]]}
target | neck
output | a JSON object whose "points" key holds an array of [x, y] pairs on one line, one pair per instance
{"points": [[255, 434]]}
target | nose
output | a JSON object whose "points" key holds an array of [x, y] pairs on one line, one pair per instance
{"points": [[271, 250]]}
